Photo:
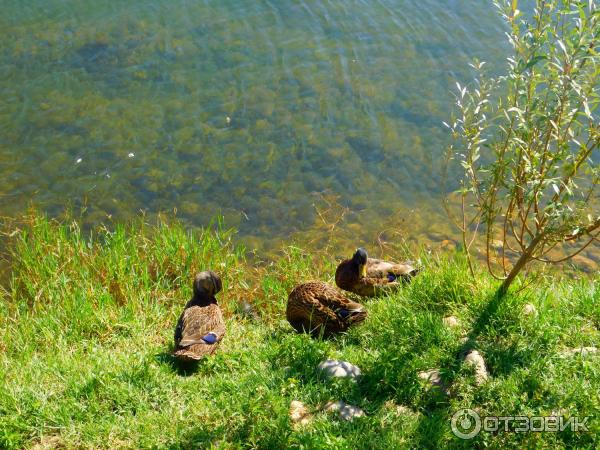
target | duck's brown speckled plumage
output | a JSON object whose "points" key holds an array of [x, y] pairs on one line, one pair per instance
{"points": [[200, 317], [318, 308], [375, 278]]}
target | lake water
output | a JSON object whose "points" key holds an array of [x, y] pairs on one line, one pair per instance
{"points": [[281, 115]]}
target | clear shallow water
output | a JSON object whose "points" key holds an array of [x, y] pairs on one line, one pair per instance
{"points": [[263, 111]]}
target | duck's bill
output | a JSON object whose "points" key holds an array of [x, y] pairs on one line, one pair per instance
{"points": [[363, 271]]}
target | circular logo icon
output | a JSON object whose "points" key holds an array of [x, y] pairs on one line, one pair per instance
{"points": [[466, 423]]}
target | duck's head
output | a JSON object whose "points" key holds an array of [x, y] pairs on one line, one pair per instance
{"points": [[360, 259], [207, 283]]}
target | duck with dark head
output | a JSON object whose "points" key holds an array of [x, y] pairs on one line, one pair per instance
{"points": [[370, 277], [201, 326]]}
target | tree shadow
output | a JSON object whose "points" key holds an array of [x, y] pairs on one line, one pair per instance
{"points": [[435, 421], [435, 402], [506, 358]]}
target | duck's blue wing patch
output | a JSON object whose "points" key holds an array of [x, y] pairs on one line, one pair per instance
{"points": [[343, 313], [210, 338]]}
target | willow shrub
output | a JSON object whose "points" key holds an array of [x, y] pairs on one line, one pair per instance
{"points": [[526, 143]]}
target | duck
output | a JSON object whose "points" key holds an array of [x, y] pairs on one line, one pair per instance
{"points": [[369, 277], [200, 327], [319, 309]]}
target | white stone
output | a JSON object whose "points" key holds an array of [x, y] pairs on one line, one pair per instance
{"points": [[529, 309], [299, 413], [399, 410], [583, 351], [432, 376], [335, 368], [48, 442], [346, 412], [450, 321], [475, 359]]}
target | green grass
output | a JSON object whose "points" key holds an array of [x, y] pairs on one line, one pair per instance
{"points": [[87, 324]]}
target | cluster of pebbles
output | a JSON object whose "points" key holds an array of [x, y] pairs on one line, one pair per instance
{"points": [[332, 368], [300, 414]]}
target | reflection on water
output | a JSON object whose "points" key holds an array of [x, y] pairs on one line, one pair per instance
{"points": [[254, 110]]}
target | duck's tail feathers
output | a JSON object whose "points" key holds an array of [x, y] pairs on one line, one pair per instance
{"points": [[194, 352], [357, 316], [186, 355]]}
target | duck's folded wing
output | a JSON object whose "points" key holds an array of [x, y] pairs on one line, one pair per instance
{"points": [[197, 322], [404, 270], [334, 300], [370, 287], [377, 268], [311, 318]]}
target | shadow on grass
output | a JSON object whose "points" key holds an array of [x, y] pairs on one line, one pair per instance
{"points": [[506, 359], [430, 430], [200, 438], [299, 354], [181, 368], [393, 377]]}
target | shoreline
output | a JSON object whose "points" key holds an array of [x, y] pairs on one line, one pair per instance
{"points": [[88, 329]]}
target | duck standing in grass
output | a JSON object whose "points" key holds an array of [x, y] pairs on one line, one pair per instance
{"points": [[370, 277], [320, 309], [200, 327]]}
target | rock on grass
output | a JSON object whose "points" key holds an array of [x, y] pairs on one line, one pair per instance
{"points": [[345, 411], [48, 442], [299, 413], [398, 410], [432, 376], [451, 321], [475, 359], [334, 368], [583, 351]]}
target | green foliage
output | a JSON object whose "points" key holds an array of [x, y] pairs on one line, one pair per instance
{"points": [[86, 365], [527, 142]]}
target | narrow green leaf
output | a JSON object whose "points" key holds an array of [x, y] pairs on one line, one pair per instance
{"points": [[533, 61]]}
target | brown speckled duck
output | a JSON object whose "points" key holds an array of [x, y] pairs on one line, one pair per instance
{"points": [[200, 327], [370, 277], [318, 308]]}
